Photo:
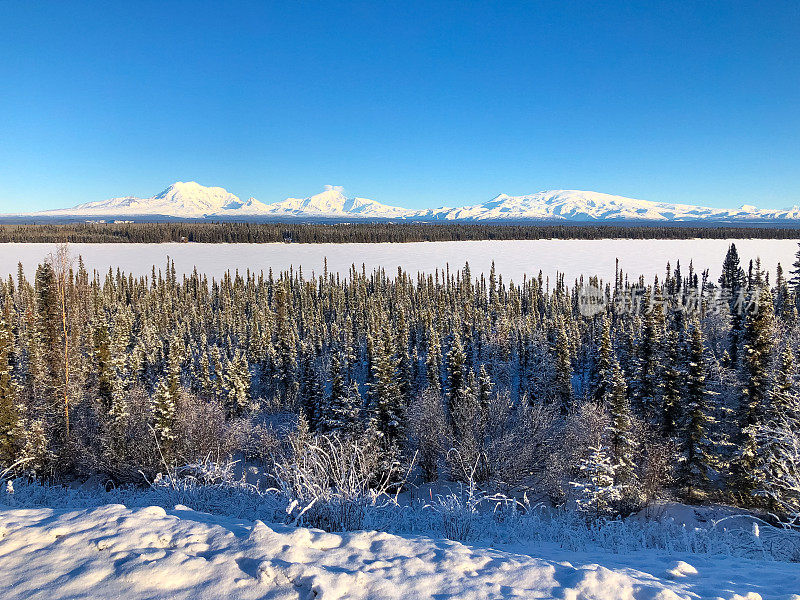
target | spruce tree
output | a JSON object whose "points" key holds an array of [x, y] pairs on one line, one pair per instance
{"points": [[732, 282], [784, 398], [311, 393], [698, 449], [671, 407], [759, 339], [779, 439], [457, 388], [164, 407], [794, 281], [386, 403], [48, 337], [623, 445], [650, 360], [433, 362], [9, 409], [102, 366], [237, 382], [342, 409], [563, 369], [597, 492], [603, 364]]}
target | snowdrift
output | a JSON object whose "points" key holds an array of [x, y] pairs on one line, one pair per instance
{"points": [[113, 551]]}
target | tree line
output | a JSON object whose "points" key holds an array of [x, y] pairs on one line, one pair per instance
{"points": [[258, 233], [681, 387]]}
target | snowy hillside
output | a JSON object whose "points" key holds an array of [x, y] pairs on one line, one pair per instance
{"points": [[192, 200], [116, 552]]}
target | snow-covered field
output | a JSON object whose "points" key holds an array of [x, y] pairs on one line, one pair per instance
{"points": [[145, 553], [513, 259]]}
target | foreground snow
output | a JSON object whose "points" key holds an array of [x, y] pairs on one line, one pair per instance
{"points": [[113, 551]]}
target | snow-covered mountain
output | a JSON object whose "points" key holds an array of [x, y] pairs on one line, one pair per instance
{"points": [[577, 205], [195, 201], [192, 200], [333, 203], [181, 199]]}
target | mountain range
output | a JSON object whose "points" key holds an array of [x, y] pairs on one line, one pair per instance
{"points": [[190, 200]]}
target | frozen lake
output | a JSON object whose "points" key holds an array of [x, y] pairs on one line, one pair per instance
{"points": [[513, 259]]}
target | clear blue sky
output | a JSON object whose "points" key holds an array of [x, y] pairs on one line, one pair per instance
{"points": [[410, 103]]}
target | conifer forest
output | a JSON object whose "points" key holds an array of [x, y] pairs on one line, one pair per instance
{"points": [[320, 231], [603, 394]]}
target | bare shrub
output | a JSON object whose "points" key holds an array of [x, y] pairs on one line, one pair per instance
{"points": [[508, 444], [200, 427], [331, 480], [428, 432], [255, 441]]}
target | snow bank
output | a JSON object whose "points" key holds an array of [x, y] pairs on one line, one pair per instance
{"points": [[114, 551]]}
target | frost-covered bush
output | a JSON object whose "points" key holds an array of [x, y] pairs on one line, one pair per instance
{"points": [[254, 441], [506, 442], [331, 480], [428, 431], [469, 513]]}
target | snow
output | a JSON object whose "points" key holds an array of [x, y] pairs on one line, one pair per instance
{"points": [[513, 259], [192, 200], [181, 199], [147, 553], [333, 203], [578, 205]]}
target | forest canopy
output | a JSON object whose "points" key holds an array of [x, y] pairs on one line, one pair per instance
{"points": [[257, 233], [609, 393]]}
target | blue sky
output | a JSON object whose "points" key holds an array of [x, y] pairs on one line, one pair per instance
{"points": [[410, 103]]}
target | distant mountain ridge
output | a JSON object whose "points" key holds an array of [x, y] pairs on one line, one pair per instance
{"points": [[194, 201]]}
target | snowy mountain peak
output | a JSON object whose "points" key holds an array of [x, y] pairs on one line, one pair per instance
{"points": [[191, 197], [181, 199], [332, 202], [192, 200], [579, 205]]}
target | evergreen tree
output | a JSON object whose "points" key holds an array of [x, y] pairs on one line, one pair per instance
{"points": [[102, 366], [48, 338], [779, 438], [458, 390], [623, 445], [699, 459], [433, 362], [732, 284], [650, 361], [164, 407], [310, 391], [563, 374], [484, 390], [671, 389], [758, 348], [237, 383], [794, 281], [342, 409], [785, 401], [597, 492], [604, 364], [387, 405], [9, 409]]}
